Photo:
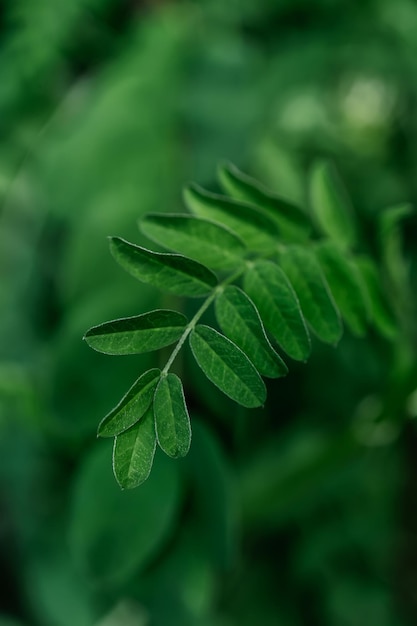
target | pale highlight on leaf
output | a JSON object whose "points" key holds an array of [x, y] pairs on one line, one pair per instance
{"points": [[133, 452], [138, 334], [227, 366], [331, 205], [277, 303], [132, 406], [304, 272], [171, 272], [239, 320], [293, 223], [196, 237], [171, 417], [252, 225], [345, 284]]}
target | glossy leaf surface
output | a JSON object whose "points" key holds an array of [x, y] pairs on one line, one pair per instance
{"points": [[331, 205], [133, 452], [203, 240], [171, 417], [253, 226], [138, 334], [132, 406], [345, 284], [277, 303], [239, 320], [293, 222], [171, 272], [227, 366], [304, 272]]}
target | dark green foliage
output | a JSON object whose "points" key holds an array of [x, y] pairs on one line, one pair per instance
{"points": [[285, 287], [301, 512]]}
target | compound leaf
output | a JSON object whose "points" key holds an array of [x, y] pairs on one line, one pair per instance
{"points": [[171, 272], [304, 272], [132, 406], [227, 366], [253, 226], [171, 417], [293, 222], [239, 320], [277, 303], [133, 452], [331, 204], [345, 284], [198, 238], [138, 334]]}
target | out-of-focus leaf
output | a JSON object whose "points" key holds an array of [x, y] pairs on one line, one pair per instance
{"points": [[171, 272], [203, 240], [134, 451], [138, 334], [227, 366], [171, 417], [214, 496], [126, 613], [391, 242], [56, 592], [345, 284], [253, 226], [132, 406], [285, 475], [305, 274], [115, 533], [186, 578], [331, 205], [390, 218], [293, 222], [279, 308], [378, 305], [239, 320]]}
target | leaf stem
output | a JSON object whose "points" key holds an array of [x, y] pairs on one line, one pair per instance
{"points": [[198, 315]]}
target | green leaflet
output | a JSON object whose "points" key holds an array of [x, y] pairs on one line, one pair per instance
{"points": [[138, 334], [227, 366], [304, 272], [293, 222], [132, 406], [207, 242], [345, 284], [171, 417], [171, 272], [277, 303], [253, 226], [240, 321], [378, 305], [134, 451], [331, 205]]}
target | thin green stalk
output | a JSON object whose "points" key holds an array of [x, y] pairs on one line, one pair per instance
{"points": [[198, 315]]}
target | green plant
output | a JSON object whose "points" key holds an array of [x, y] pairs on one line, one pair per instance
{"points": [[272, 271]]}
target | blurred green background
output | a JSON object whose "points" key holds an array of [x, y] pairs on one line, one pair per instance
{"points": [[304, 513]]}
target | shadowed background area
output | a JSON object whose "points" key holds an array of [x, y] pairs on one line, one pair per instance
{"points": [[300, 514]]}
